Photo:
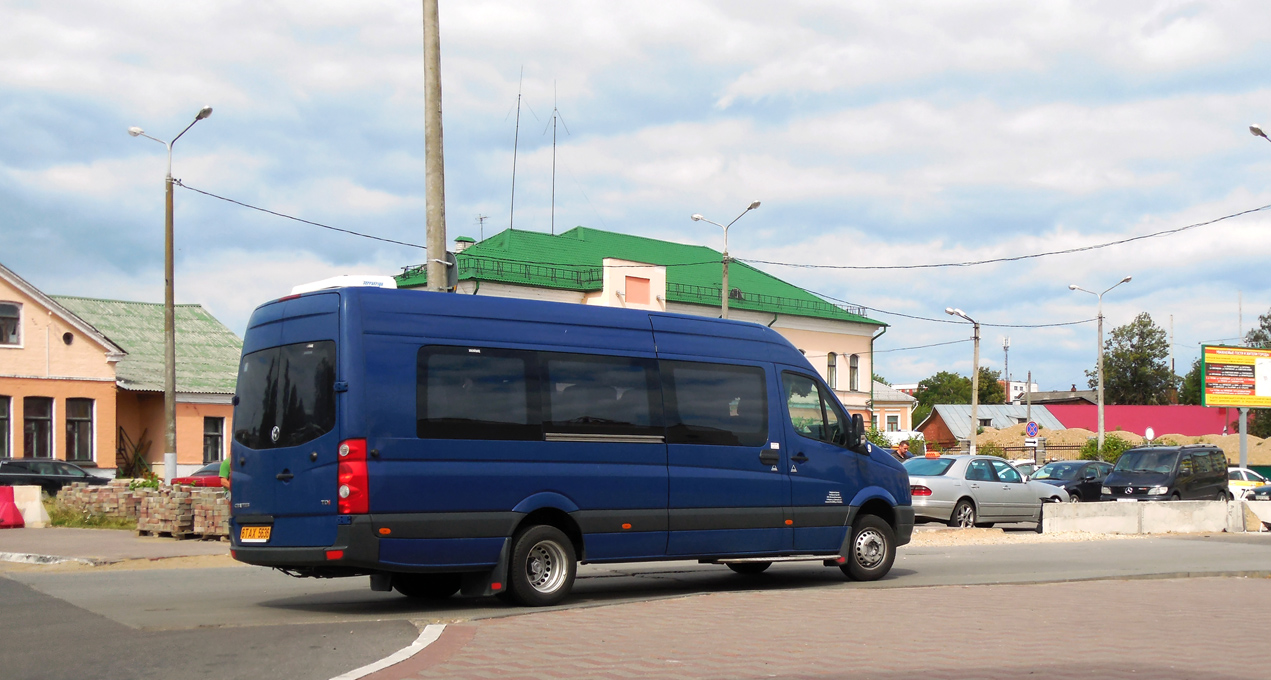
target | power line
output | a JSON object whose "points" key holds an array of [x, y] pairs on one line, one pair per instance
{"points": [[1016, 258], [935, 320], [937, 344], [297, 219]]}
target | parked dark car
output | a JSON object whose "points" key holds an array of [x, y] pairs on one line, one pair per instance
{"points": [[1258, 493], [50, 475], [208, 475], [1080, 478], [1196, 472]]}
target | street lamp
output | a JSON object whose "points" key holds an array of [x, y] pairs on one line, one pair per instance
{"points": [[699, 218], [1099, 361], [1256, 131], [169, 309], [975, 373]]}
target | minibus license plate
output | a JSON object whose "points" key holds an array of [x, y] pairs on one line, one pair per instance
{"points": [[1121, 500], [253, 534]]}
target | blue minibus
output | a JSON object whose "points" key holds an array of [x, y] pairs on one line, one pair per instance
{"points": [[444, 443]]}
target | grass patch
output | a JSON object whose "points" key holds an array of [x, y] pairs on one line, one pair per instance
{"points": [[62, 516]]}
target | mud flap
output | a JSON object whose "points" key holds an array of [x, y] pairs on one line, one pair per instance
{"points": [[486, 583], [381, 583]]}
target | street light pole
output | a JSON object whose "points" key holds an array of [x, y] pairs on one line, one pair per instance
{"points": [[1099, 361], [169, 308], [724, 294], [975, 374]]}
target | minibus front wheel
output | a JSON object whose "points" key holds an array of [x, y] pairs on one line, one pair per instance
{"points": [[542, 568]]}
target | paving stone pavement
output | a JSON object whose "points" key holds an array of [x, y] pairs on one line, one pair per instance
{"points": [[1167, 629]]}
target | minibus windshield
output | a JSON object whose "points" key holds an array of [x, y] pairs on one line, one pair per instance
{"points": [[286, 395]]}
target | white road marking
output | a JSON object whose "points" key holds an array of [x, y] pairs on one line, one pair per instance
{"points": [[427, 637]]}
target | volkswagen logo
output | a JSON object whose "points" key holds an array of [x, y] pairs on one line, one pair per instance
{"points": [[273, 434]]}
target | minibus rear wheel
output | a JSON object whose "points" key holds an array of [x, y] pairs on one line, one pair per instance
{"points": [[427, 586], [543, 566]]}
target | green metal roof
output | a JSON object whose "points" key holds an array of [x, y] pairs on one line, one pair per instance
{"points": [[574, 261], [207, 351]]}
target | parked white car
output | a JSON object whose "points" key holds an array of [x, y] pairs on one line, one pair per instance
{"points": [[1241, 480]]}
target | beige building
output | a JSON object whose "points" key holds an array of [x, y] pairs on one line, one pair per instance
{"points": [[81, 380], [595, 267]]}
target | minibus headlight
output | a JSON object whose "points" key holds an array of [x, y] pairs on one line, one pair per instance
{"points": [[1158, 491], [1104, 489]]}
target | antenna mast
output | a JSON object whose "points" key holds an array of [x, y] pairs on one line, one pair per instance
{"points": [[555, 115], [516, 138], [481, 225]]}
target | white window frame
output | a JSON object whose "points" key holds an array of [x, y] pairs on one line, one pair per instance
{"points": [[21, 331]]}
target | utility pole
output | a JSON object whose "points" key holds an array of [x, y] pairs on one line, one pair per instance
{"points": [[434, 158], [1028, 396]]}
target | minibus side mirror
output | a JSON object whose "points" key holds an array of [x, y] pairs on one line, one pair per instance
{"points": [[856, 433]]}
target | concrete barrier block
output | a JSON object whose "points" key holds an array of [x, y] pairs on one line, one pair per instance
{"points": [[1260, 509], [1103, 518], [27, 498], [1183, 517]]}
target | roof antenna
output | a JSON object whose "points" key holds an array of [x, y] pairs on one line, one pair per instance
{"points": [[481, 222], [555, 115]]}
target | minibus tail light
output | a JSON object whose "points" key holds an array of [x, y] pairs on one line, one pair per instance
{"points": [[354, 494]]}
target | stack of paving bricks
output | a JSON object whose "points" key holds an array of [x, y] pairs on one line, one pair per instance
{"points": [[211, 513], [170, 512], [179, 511]]}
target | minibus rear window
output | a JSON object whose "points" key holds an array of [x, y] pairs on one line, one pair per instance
{"points": [[286, 395], [715, 404]]}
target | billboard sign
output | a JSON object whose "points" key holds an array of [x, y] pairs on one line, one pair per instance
{"points": [[1236, 376]]}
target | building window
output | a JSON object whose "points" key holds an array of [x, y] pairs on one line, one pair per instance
{"points": [[854, 373], [637, 290], [37, 427], [10, 323], [213, 439], [893, 423], [79, 429], [873, 421], [986, 422], [831, 371], [5, 449]]}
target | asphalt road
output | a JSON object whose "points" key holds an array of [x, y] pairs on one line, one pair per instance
{"points": [[247, 622]]}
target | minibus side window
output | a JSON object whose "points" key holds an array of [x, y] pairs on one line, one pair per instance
{"points": [[477, 393], [715, 404], [601, 395]]}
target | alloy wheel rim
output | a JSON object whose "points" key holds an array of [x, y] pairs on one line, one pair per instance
{"points": [[966, 516], [545, 566], [871, 548]]}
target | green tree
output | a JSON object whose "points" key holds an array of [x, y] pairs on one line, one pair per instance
{"points": [[1135, 364], [1189, 393], [991, 391], [881, 379], [1113, 447], [1260, 336], [944, 387]]}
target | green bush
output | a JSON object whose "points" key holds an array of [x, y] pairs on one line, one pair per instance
{"points": [[877, 439], [1113, 447], [63, 516], [918, 446], [990, 449], [148, 480]]}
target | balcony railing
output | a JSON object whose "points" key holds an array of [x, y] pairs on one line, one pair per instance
{"points": [[511, 271], [711, 294]]}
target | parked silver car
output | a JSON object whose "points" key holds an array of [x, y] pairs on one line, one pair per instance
{"points": [[967, 491]]}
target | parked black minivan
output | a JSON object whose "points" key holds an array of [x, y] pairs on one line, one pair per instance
{"points": [[1196, 472]]}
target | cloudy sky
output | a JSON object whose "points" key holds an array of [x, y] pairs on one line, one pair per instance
{"points": [[875, 133]]}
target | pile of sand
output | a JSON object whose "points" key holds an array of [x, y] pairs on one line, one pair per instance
{"points": [[1013, 436]]}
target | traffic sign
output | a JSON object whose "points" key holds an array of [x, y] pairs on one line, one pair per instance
{"points": [[1031, 429]]}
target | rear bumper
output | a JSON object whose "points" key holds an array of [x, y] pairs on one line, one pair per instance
{"points": [[928, 508], [355, 550]]}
